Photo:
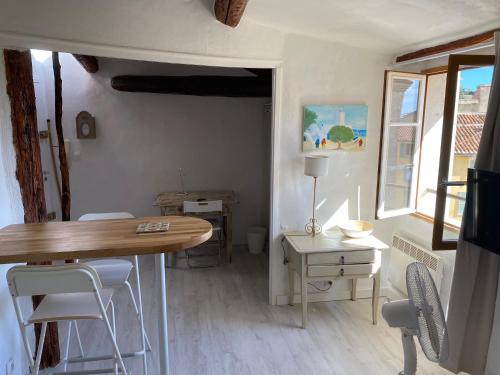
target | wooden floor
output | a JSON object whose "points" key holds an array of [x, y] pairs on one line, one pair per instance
{"points": [[220, 323]]}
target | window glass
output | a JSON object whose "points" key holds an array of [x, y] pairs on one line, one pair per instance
{"points": [[431, 144], [401, 143], [404, 100], [474, 93], [471, 110], [402, 128]]}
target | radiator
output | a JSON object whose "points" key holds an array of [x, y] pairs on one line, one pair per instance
{"points": [[405, 252]]}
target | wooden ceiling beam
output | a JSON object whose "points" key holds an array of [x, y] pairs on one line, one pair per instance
{"points": [[447, 47], [89, 63], [225, 86], [229, 12]]}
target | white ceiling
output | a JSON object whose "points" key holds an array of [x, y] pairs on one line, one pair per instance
{"points": [[387, 25]]}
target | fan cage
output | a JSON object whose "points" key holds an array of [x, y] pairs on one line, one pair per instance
{"points": [[430, 320]]}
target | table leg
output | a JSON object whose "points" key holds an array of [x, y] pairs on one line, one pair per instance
{"points": [[163, 314], [303, 292], [375, 296], [354, 289], [229, 235], [291, 285], [171, 257]]}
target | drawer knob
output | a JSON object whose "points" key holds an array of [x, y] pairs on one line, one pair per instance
{"points": [[341, 272], [342, 260]]}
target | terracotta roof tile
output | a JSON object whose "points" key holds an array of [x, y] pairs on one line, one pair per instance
{"points": [[406, 134], [468, 135], [471, 118]]}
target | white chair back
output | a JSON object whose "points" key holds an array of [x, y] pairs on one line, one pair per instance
{"points": [[41, 280], [202, 206], [106, 216], [48, 280]]}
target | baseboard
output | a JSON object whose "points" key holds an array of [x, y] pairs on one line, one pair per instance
{"points": [[333, 296], [394, 294]]}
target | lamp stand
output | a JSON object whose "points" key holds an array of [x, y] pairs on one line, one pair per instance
{"points": [[313, 227]]}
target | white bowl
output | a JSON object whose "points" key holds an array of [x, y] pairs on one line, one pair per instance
{"points": [[356, 228]]}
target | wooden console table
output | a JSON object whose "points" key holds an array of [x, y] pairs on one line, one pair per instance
{"points": [[172, 203], [332, 256]]}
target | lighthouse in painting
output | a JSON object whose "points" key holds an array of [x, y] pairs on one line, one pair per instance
{"points": [[341, 117]]}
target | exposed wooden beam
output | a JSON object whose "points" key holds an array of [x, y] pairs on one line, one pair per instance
{"points": [[447, 47], [229, 12], [21, 94], [89, 63], [63, 162], [435, 70], [195, 85]]}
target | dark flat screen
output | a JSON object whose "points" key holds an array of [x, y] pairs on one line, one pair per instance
{"points": [[482, 209]]}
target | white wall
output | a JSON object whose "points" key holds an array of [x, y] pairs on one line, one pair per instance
{"points": [[11, 212], [420, 232], [315, 72], [122, 26], [142, 140]]}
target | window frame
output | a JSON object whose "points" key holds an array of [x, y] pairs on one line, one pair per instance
{"points": [[390, 75], [450, 106], [418, 213]]}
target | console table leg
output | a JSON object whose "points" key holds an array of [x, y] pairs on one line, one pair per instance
{"points": [[354, 289], [303, 292], [304, 304], [375, 296]]}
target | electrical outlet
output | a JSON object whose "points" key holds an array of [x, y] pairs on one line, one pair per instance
{"points": [[9, 367]]}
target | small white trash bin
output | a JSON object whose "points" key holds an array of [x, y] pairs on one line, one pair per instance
{"points": [[256, 237]]}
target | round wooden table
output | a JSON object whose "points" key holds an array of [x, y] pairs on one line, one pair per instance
{"points": [[21, 243]]}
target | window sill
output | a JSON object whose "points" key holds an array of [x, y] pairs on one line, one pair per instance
{"points": [[429, 219]]}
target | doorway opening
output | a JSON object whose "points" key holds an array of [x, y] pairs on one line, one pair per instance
{"points": [[150, 128]]}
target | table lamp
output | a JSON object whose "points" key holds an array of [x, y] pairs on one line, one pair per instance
{"points": [[315, 166]]}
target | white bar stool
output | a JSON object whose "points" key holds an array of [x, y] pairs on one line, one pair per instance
{"points": [[72, 292], [114, 273]]}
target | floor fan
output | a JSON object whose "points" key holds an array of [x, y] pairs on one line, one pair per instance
{"points": [[420, 315]]}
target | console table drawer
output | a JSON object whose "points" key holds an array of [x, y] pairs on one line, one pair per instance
{"points": [[342, 270], [348, 257]]}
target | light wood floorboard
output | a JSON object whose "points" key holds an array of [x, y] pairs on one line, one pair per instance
{"points": [[220, 323]]}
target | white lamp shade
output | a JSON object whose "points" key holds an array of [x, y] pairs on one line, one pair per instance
{"points": [[316, 166]]}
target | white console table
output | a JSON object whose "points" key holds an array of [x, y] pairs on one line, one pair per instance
{"points": [[331, 256]]}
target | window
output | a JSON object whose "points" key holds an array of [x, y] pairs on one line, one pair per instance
{"points": [[400, 143], [432, 130], [468, 84], [427, 146]]}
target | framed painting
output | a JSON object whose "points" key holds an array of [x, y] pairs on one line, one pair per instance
{"points": [[335, 127]]}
